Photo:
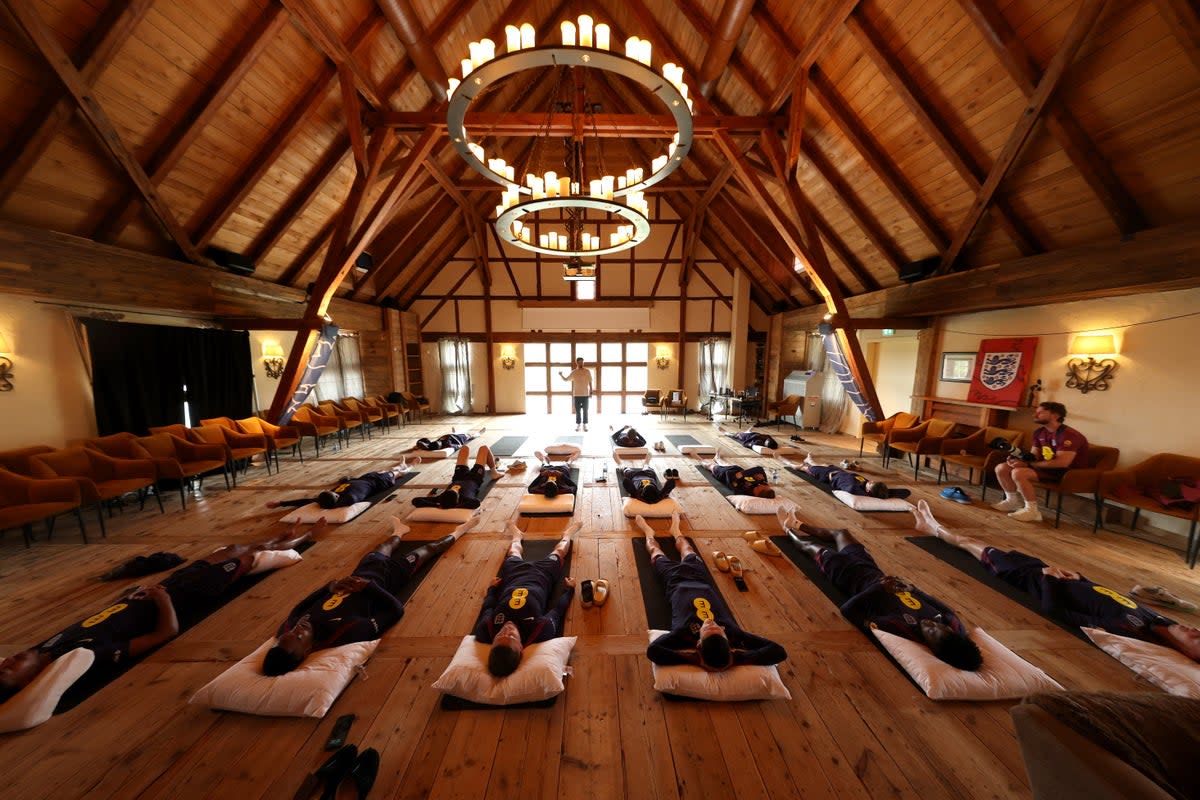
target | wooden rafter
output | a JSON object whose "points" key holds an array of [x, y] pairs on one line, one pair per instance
{"points": [[313, 24], [352, 111], [608, 125], [391, 265], [808, 55], [708, 30], [457, 236], [1184, 21]]}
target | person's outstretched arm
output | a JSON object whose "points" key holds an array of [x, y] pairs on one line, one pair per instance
{"points": [[758, 650], [168, 623], [672, 649], [489, 608], [559, 611]]}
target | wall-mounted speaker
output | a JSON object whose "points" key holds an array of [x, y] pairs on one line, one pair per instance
{"points": [[364, 262], [234, 262], [390, 302], [918, 270]]}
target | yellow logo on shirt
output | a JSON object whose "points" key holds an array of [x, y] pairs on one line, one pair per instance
{"points": [[703, 608], [518, 598], [908, 600], [1047, 452], [96, 619], [1120, 598], [335, 601]]}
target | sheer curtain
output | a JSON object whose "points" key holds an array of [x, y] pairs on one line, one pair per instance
{"points": [[714, 367], [456, 375], [835, 403]]}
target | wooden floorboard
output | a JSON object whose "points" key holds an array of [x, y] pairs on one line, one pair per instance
{"points": [[855, 726]]}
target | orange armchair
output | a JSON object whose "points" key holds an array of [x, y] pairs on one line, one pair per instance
{"points": [[24, 501], [101, 478], [1133, 486], [348, 421], [878, 431], [391, 411], [182, 460], [415, 406], [371, 414], [787, 407], [239, 447], [973, 453], [278, 436], [311, 422], [1082, 478], [20, 460], [919, 442]]}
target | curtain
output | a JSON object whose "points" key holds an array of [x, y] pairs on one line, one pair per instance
{"points": [[714, 368], [835, 402], [219, 375], [456, 375]]}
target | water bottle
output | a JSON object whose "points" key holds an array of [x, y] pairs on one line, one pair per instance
{"points": [[775, 475], [604, 473]]}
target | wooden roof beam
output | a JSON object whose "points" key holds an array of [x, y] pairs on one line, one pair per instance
{"points": [[386, 274], [407, 25], [722, 36], [608, 126], [1183, 19], [809, 54], [313, 24]]}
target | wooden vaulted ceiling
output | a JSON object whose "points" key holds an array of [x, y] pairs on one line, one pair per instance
{"points": [[854, 136]]}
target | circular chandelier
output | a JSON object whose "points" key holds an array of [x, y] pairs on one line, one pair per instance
{"points": [[573, 194]]}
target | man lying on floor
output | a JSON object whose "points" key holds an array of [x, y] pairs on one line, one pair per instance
{"points": [[553, 480], [514, 609], [1068, 595], [360, 607], [349, 491], [881, 601], [703, 632], [463, 489], [743, 480], [754, 439], [642, 484], [844, 480], [628, 437], [147, 617], [447, 441]]}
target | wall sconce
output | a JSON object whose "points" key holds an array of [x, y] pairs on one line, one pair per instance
{"points": [[1090, 374], [663, 358], [5, 366], [272, 356], [508, 357]]}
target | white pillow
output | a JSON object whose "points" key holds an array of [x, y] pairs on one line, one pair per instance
{"points": [[312, 512], [698, 450], [540, 504], [748, 504], [632, 507], [307, 691], [562, 450], [736, 683], [267, 560], [860, 502], [35, 704], [630, 452], [435, 514], [430, 455], [539, 676], [1004, 674], [782, 450], [1165, 667]]}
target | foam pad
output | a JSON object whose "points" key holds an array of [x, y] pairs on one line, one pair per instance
{"points": [[785, 450], [631, 452], [35, 704], [748, 504], [540, 504], [312, 512], [698, 450], [435, 514], [736, 683], [430, 455], [307, 691], [561, 450], [539, 676], [267, 560], [1003, 675], [633, 507], [1165, 667], [865, 503]]}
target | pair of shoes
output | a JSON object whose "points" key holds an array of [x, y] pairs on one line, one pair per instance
{"points": [[578, 427], [1026, 514], [660, 447], [796, 438], [848, 464], [516, 466], [362, 768], [1161, 596], [585, 428], [761, 544], [671, 473], [736, 570], [956, 494], [720, 560], [1009, 504], [593, 593]]}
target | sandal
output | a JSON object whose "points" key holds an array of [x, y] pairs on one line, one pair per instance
{"points": [[752, 536], [720, 560], [766, 547], [735, 567], [587, 595], [600, 592]]}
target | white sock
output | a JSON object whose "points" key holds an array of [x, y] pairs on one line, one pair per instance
{"points": [[513, 531], [643, 526], [572, 529], [1031, 504], [1013, 496]]}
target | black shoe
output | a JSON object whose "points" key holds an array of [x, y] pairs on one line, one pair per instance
{"points": [[333, 770], [364, 771], [586, 594]]}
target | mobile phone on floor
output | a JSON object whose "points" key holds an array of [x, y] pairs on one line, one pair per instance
{"points": [[341, 728]]}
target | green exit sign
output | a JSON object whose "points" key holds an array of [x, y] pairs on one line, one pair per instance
{"points": [[889, 331]]}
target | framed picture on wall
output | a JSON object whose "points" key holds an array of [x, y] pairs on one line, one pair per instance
{"points": [[957, 367], [1001, 371]]}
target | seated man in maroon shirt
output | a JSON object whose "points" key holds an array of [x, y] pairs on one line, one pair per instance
{"points": [[1056, 447], [1068, 596], [882, 601]]}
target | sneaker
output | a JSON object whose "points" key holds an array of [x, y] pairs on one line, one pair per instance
{"points": [[585, 428], [577, 427], [1027, 514], [956, 494], [1009, 504], [845, 463], [1160, 596]]}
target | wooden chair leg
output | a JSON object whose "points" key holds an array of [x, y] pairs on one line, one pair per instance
{"points": [[27, 531]]}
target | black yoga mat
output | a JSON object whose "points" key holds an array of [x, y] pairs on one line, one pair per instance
{"points": [[900, 494], [508, 445], [725, 491], [621, 483], [681, 439], [484, 488], [96, 679], [535, 549], [971, 566], [575, 480]]}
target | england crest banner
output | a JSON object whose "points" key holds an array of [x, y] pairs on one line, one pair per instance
{"points": [[1002, 370]]}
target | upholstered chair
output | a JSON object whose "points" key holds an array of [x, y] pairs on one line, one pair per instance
{"points": [[20, 460], [24, 501], [239, 447], [184, 461], [674, 400], [918, 442], [312, 422], [787, 407], [392, 412], [101, 478], [415, 407], [878, 431], [1134, 485], [349, 421], [278, 436], [975, 453], [1081, 478]]}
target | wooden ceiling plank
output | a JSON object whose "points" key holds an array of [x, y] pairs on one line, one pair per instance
{"points": [[812, 50], [386, 274], [450, 295], [46, 42], [1081, 26], [193, 121], [52, 111], [302, 259], [353, 113], [860, 272], [855, 130], [1092, 167], [1183, 19], [727, 211], [938, 131], [754, 235], [425, 272], [312, 23]]}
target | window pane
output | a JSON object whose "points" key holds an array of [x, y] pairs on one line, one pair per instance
{"points": [[587, 350], [637, 379], [535, 352], [610, 379], [585, 290], [535, 379], [560, 405], [536, 405], [611, 352], [632, 403], [638, 351], [560, 353]]}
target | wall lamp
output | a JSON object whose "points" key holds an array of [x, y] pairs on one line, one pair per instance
{"points": [[508, 357], [272, 356], [5, 366], [1088, 374], [663, 358]]}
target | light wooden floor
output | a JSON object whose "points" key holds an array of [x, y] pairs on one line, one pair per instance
{"points": [[854, 728]]}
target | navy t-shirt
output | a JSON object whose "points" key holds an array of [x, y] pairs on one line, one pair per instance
{"points": [[840, 479], [521, 598], [106, 633], [339, 618], [742, 481], [553, 474]]}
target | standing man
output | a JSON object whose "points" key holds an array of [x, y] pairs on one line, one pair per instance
{"points": [[1056, 446], [581, 390]]}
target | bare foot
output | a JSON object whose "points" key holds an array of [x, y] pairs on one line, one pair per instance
{"points": [[399, 528], [471, 523], [516, 533], [644, 527], [571, 530], [272, 504], [924, 521]]}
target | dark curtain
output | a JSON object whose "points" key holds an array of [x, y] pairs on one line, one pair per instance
{"points": [[139, 373]]}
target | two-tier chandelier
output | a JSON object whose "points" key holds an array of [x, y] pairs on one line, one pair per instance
{"points": [[581, 208]]}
